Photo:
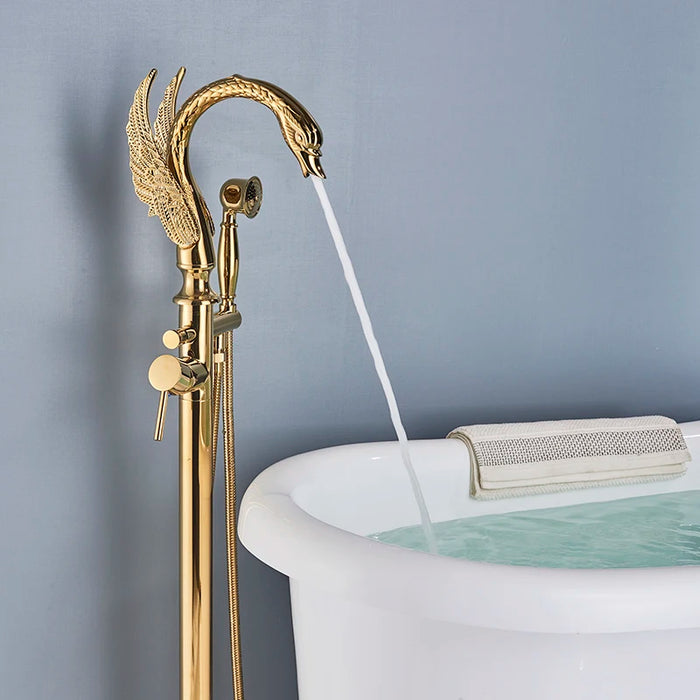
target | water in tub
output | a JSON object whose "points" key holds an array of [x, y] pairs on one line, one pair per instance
{"points": [[426, 527], [646, 531]]}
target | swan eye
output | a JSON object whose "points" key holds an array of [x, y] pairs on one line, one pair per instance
{"points": [[299, 137]]}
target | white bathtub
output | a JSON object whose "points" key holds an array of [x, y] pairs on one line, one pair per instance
{"points": [[378, 622]]}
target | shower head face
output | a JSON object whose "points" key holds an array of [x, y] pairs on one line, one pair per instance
{"points": [[242, 196]]}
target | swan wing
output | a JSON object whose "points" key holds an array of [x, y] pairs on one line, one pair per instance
{"points": [[153, 182]]}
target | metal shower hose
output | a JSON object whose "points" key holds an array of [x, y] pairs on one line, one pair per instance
{"points": [[223, 393]]}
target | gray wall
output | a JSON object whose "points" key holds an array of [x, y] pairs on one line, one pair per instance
{"points": [[519, 187]]}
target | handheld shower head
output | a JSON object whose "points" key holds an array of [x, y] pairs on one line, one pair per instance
{"points": [[236, 196], [242, 196]]}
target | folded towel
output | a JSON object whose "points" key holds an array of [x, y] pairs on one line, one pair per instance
{"points": [[517, 459]]}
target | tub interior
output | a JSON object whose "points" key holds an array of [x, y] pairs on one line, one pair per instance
{"points": [[364, 489]]}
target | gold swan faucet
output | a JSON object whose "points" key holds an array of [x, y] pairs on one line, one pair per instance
{"points": [[201, 375]]}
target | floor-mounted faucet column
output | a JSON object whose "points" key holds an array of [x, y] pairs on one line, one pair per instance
{"points": [[189, 376], [196, 312]]}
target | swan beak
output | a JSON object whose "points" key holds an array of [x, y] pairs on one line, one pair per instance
{"points": [[310, 162]]}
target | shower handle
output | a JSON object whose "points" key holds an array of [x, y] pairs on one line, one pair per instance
{"points": [[171, 375]]}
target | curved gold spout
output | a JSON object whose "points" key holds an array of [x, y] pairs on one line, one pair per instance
{"points": [[160, 164], [299, 129]]}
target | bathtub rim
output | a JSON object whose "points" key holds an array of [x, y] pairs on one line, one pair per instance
{"points": [[282, 534]]}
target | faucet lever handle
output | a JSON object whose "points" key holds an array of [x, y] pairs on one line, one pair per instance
{"points": [[172, 375], [160, 417]]}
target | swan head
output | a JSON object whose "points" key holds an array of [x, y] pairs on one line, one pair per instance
{"points": [[300, 130]]}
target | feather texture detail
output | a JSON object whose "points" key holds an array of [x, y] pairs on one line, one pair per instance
{"points": [[154, 183]]}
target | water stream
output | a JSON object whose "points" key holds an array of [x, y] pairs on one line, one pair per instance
{"points": [[373, 346]]}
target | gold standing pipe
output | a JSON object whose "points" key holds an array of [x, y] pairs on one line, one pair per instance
{"points": [[196, 488], [162, 179]]}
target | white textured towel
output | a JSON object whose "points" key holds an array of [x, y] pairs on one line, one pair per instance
{"points": [[517, 459]]}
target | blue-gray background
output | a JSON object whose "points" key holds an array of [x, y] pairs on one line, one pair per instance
{"points": [[518, 182]]}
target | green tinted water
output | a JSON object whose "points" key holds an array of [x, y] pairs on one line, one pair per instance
{"points": [[661, 530]]}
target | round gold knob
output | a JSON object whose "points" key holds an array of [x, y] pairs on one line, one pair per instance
{"points": [[170, 373], [173, 339]]}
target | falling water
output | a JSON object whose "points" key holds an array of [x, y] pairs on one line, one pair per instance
{"points": [[377, 357]]}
